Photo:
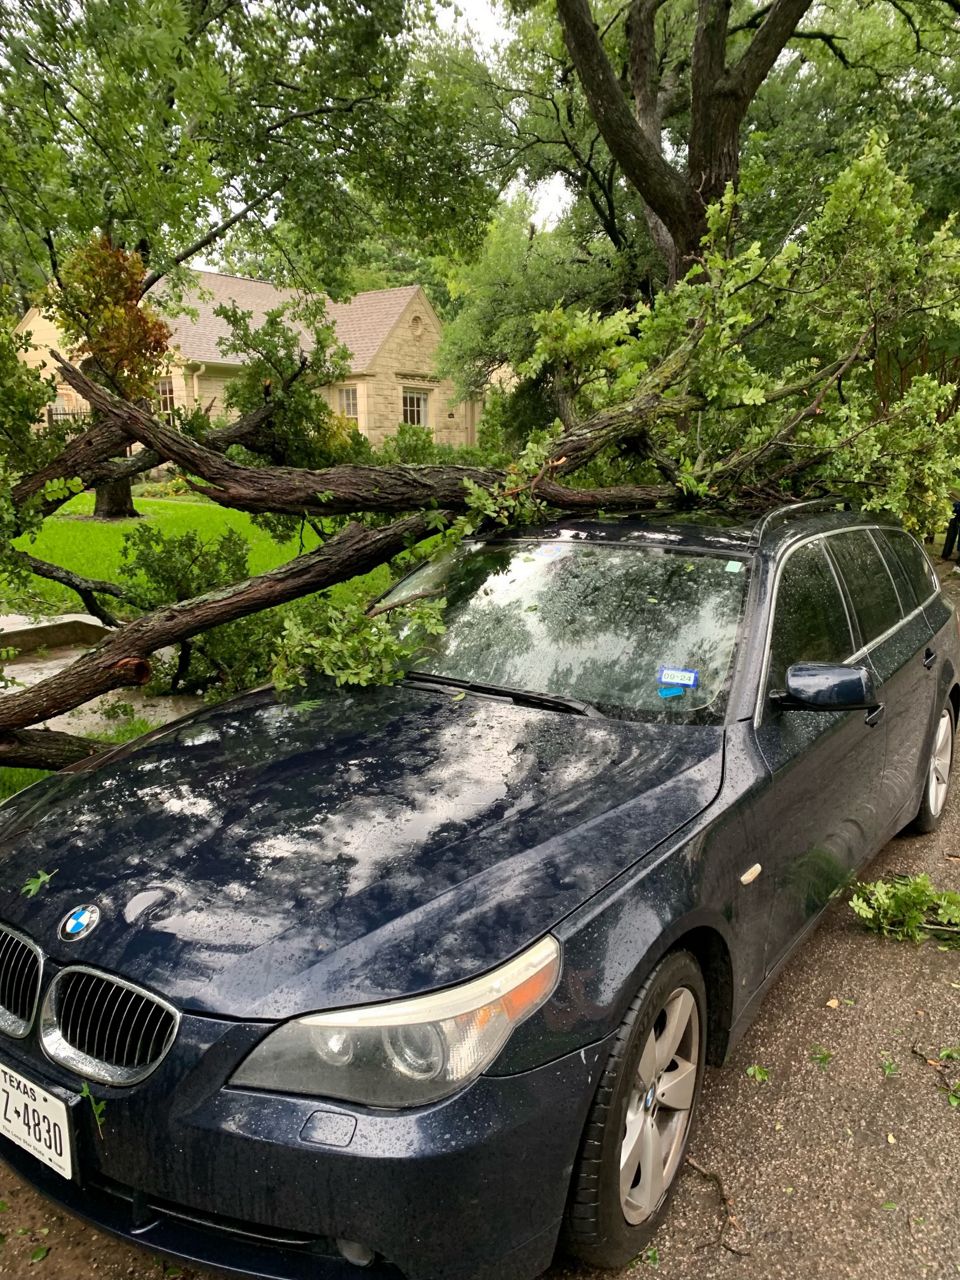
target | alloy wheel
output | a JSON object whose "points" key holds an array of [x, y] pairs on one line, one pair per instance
{"points": [[938, 778], [660, 1107]]}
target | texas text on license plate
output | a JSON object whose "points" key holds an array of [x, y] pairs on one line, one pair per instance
{"points": [[34, 1119]]}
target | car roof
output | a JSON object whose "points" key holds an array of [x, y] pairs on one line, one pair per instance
{"points": [[768, 534]]}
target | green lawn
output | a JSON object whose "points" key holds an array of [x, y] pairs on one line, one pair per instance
{"points": [[92, 547], [14, 780]]}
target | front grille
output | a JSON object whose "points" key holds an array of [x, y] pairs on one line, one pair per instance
{"points": [[105, 1028], [21, 963]]}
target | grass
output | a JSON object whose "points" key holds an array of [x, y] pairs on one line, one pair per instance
{"points": [[93, 547], [13, 780]]}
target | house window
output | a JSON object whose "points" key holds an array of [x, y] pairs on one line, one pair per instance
{"points": [[347, 403], [62, 409], [165, 401], [415, 408]]}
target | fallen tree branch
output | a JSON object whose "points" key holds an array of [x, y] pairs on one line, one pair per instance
{"points": [[122, 660], [97, 455], [349, 488], [726, 1204], [86, 588], [79, 458], [44, 749]]}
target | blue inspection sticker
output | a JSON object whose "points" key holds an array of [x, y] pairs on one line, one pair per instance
{"points": [[686, 677], [671, 691]]}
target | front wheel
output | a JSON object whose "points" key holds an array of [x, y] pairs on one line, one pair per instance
{"points": [[936, 784], [638, 1127]]}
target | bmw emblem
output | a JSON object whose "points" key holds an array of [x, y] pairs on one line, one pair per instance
{"points": [[80, 922]]}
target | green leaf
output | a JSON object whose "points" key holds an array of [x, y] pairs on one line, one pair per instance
{"points": [[33, 884], [39, 1253]]}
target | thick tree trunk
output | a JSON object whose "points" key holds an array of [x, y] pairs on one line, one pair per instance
{"points": [[665, 191], [114, 501], [676, 202]]}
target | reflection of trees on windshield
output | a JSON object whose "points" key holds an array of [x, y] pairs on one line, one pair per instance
{"points": [[466, 648], [591, 622]]}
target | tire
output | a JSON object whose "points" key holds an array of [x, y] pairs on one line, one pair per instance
{"points": [[608, 1225], [936, 779]]}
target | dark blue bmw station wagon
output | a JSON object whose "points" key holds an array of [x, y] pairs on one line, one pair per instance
{"points": [[423, 979]]}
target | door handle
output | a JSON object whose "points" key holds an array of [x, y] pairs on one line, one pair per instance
{"points": [[875, 716], [929, 658]]}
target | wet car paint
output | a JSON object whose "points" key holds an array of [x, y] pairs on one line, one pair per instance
{"points": [[263, 860]]}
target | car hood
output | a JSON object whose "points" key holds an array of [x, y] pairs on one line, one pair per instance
{"points": [[263, 859]]}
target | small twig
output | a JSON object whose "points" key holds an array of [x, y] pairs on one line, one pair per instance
{"points": [[934, 1064], [401, 604], [726, 1203]]}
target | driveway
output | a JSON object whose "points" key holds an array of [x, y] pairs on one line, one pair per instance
{"points": [[835, 1170]]}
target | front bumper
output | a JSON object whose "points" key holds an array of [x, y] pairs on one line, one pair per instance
{"points": [[264, 1185]]}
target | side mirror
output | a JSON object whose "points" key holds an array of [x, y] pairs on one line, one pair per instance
{"points": [[827, 686]]}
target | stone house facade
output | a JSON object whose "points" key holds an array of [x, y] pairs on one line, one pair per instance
{"points": [[392, 335]]}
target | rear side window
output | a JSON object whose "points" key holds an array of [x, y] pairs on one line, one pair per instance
{"points": [[916, 566], [905, 588], [810, 619], [875, 600]]}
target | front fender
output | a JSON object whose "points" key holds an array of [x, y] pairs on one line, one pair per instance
{"points": [[613, 942]]}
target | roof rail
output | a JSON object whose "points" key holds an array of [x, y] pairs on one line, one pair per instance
{"points": [[788, 509]]}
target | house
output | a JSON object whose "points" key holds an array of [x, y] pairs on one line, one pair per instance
{"points": [[392, 336]]}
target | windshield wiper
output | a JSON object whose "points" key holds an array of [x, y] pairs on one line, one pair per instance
{"points": [[522, 697]]}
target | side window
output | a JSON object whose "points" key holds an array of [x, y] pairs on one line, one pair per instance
{"points": [[917, 567], [809, 619], [905, 588], [871, 588]]}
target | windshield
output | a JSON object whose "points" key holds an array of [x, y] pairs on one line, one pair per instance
{"points": [[638, 632]]}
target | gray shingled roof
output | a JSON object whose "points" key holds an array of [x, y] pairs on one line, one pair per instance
{"points": [[362, 324]]}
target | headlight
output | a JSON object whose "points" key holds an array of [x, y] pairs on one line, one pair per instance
{"points": [[410, 1052]]}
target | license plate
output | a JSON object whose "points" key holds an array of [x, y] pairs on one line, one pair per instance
{"points": [[34, 1119]]}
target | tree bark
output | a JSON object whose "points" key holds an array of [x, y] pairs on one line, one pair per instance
{"points": [[666, 191], [114, 500], [349, 488], [647, 98], [720, 98], [43, 749], [86, 588], [82, 458]]}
